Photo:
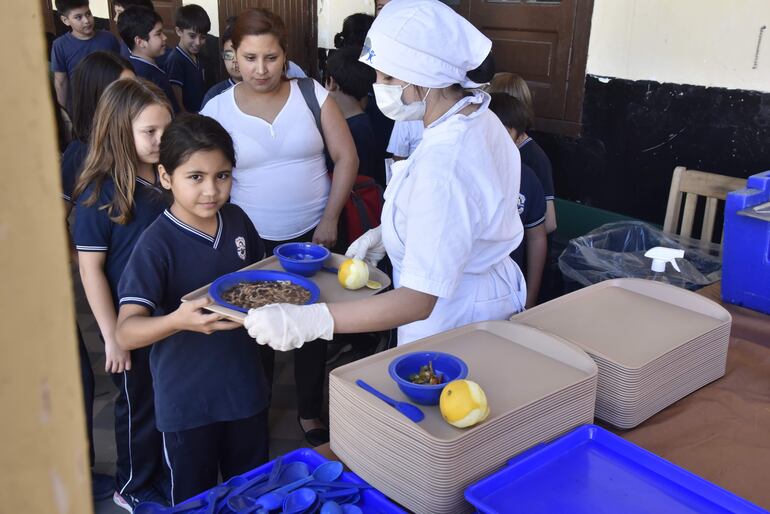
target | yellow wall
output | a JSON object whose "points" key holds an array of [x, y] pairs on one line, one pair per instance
{"points": [[43, 458], [331, 14], [701, 42]]}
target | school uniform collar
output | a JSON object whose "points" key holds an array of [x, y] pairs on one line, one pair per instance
{"points": [[145, 61], [525, 142], [194, 232], [187, 56], [231, 82], [147, 183]]}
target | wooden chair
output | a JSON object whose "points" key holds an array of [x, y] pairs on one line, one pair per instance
{"points": [[692, 184]]}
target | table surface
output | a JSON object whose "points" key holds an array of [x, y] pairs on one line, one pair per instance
{"points": [[722, 431]]}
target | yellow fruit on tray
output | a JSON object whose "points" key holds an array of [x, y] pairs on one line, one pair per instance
{"points": [[353, 274], [463, 403]]}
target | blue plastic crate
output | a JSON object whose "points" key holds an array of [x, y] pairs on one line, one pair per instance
{"points": [[372, 501], [591, 470], [746, 245]]}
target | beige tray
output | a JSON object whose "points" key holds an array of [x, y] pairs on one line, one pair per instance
{"points": [[628, 321], [516, 366], [331, 290]]}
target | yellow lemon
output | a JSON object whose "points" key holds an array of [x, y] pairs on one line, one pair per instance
{"points": [[353, 274], [463, 403]]}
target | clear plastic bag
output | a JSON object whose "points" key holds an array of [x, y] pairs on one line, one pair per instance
{"points": [[616, 250]]}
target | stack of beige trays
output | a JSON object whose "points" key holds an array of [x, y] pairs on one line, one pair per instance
{"points": [[538, 386], [654, 343]]}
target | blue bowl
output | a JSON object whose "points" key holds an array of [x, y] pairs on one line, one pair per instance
{"points": [[225, 282], [449, 366], [301, 258]]}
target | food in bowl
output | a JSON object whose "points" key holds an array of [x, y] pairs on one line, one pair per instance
{"points": [[426, 376], [252, 295]]}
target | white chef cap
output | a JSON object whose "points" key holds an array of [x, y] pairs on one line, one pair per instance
{"points": [[425, 43]]}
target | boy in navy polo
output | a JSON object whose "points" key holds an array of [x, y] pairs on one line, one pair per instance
{"points": [[118, 6], [142, 31], [210, 389], [185, 71], [228, 57], [531, 253], [69, 49]]}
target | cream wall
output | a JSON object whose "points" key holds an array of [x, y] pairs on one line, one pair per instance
{"points": [[331, 14], [700, 42], [100, 8], [212, 9]]}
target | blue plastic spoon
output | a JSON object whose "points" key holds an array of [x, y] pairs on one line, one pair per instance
{"points": [[268, 502], [407, 409], [299, 500], [326, 472], [351, 509], [330, 269], [290, 473], [331, 507]]}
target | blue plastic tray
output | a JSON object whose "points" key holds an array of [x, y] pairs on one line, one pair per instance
{"points": [[223, 283], [372, 501], [591, 470]]}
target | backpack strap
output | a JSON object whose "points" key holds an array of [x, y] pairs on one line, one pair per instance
{"points": [[307, 88]]}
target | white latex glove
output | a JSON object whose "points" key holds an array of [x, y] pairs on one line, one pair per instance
{"points": [[284, 326], [368, 247]]}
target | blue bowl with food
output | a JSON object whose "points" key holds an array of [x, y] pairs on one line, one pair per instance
{"points": [[251, 289], [422, 375], [301, 258]]}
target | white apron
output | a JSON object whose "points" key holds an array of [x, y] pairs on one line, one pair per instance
{"points": [[495, 291]]}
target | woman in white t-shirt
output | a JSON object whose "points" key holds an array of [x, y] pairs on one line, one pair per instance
{"points": [[281, 180]]}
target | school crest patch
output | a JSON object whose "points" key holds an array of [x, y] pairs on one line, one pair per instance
{"points": [[240, 246]]}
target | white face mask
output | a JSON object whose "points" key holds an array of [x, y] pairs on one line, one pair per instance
{"points": [[390, 103]]}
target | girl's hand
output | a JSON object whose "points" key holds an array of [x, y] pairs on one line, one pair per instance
{"points": [[325, 233], [189, 316], [116, 360]]}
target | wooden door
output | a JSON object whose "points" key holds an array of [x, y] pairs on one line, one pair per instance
{"points": [[544, 41], [166, 9], [47, 14], [301, 23]]}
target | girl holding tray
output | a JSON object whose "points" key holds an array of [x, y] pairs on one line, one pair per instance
{"points": [[450, 218], [210, 389]]}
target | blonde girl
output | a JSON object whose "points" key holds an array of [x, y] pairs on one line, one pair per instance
{"points": [[116, 198]]}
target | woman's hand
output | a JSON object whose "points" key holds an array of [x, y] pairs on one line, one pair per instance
{"points": [[325, 233], [189, 316], [116, 360], [368, 247]]}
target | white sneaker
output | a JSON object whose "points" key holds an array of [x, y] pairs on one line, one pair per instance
{"points": [[126, 502]]}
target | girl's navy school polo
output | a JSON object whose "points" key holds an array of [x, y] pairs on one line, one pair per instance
{"points": [[95, 232], [199, 379]]}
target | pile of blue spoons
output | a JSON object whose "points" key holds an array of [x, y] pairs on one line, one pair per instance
{"points": [[288, 489]]}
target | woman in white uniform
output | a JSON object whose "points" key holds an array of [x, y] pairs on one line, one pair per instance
{"points": [[450, 219]]}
